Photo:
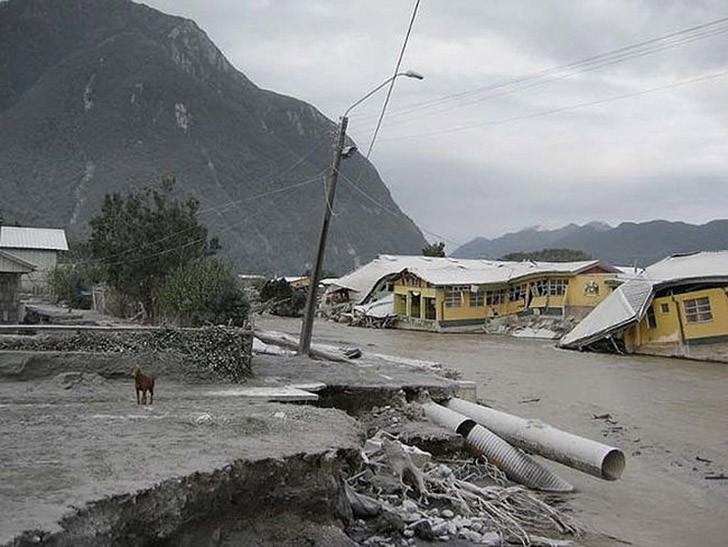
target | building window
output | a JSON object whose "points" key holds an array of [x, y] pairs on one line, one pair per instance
{"points": [[494, 298], [665, 308], [477, 299], [651, 319], [698, 310], [557, 287], [517, 293], [453, 297], [540, 288]]}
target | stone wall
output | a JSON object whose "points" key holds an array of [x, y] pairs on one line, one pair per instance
{"points": [[223, 352]]}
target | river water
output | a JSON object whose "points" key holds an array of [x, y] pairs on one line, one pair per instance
{"points": [[671, 421]]}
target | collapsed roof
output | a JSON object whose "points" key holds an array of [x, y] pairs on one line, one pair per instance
{"points": [[629, 302], [443, 272]]}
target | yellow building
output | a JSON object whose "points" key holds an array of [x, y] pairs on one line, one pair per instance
{"points": [[691, 324], [447, 294], [677, 307]]}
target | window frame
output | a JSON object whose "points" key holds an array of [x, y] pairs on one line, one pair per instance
{"points": [[449, 300], [698, 310], [479, 297]]}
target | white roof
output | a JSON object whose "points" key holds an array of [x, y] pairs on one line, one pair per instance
{"points": [[47, 239], [689, 266], [452, 271], [630, 301]]}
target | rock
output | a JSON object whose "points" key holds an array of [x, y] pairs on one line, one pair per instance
{"points": [[361, 505], [409, 533], [447, 513], [409, 506], [389, 523], [491, 538], [203, 419], [423, 530], [409, 518], [470, 535]]}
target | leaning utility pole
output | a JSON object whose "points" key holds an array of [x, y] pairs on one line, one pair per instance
{"points": [[306, 331]]}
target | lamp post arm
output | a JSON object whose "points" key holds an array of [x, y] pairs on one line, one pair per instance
{"points": [[372, 92]]}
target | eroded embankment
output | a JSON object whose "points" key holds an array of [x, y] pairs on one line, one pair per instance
{"points": [[228, 504]]}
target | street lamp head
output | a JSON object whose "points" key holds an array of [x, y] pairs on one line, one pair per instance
{"points": [[413, 74], [348, 151]]}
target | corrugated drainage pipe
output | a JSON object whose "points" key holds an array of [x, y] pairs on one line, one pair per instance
{"points": [[518, 466], [600, 460]]}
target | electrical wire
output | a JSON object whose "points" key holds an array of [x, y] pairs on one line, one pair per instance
{"points": [[394, 79], [395, 213], [595, 62], [559, 110], [227, 205]]}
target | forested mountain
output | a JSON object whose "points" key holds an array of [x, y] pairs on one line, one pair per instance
{"points": [[100, 96], [642, 243]]}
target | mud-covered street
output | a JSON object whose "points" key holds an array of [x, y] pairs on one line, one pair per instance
{"points": [[670, 416]]}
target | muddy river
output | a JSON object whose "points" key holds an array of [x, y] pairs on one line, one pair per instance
{"points": [[670, 416]]}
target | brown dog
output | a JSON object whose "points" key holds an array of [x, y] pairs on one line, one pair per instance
{"points": [[142, 384]]}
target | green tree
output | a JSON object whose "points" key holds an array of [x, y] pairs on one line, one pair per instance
{"points": [[549, 255], [434, 249], [140, 238], [206, 292], [72, 283]]}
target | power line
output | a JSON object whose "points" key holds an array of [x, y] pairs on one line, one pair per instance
{"points": [[661, 43], [394, 79], [223, 206], [395, 213], [559, 110], [182, 246]]}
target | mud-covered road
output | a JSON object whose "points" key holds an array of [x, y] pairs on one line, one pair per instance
{"points": [[671, 420]]}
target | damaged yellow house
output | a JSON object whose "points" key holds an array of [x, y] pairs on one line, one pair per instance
{"points": [[676, 307], [447, 293]]}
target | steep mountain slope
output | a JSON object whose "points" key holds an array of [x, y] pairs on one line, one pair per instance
{"points": [[629, 243], [104, 95]]}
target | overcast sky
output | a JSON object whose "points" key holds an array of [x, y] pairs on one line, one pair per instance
{"points": [[661, 154]]}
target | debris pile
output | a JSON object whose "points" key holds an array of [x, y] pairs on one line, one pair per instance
{"points": [[401, 493], [225, 352]]}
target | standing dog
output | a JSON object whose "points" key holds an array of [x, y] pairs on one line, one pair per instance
{"points": [[142, 384]]}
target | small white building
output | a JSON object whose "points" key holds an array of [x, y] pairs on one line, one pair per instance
{"points": [[37, 246]]}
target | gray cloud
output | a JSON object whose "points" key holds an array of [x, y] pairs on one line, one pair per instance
{"points": [[658, 155]]}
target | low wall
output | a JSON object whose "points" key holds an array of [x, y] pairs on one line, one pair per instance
{"points": [[224, 352]]}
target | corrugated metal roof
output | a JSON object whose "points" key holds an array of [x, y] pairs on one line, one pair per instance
{"points": [[623, 306], [629, 302], [452, 271], [49, 239]]}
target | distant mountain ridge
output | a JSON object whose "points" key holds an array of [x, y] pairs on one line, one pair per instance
{"points": [[101, 96], [642, 243]]}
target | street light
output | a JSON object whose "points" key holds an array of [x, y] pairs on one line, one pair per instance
{"points": [[304, 346]]}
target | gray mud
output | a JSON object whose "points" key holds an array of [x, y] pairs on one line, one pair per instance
{"points": [[668, 413], [150, 471]]}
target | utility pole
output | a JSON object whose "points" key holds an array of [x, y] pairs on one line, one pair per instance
{"points": [[307, 329]]}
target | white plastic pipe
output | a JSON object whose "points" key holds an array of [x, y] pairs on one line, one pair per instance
{"points": [[600, 460], [517, 465]]}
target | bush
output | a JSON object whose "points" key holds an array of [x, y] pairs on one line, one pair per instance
{"points": [[72, 284], [204, 293], [282, 299]]}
